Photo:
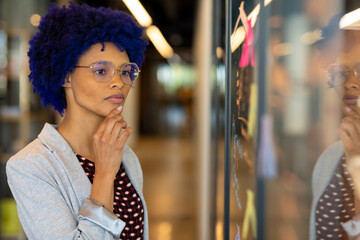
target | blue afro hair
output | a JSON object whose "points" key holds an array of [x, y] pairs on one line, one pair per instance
{"points": [[329, 30], [65, 33]]}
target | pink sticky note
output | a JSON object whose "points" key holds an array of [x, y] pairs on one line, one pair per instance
{"points": [[248, 53]]}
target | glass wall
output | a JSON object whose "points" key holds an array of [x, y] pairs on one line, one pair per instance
{"points": [[302, 111], [280, 116]]}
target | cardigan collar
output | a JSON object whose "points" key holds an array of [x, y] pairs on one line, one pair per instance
{"points": [[52, 139]]}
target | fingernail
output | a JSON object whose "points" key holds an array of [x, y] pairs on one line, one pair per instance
{"points": [[119, 108], [348, 109]]}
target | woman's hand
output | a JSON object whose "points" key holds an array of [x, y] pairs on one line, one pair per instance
{"points": [[109, 142], [349, 131]]}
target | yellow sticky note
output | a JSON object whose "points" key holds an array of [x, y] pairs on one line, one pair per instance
{"points": [[10, 224], [250, 216], [253, 108]]}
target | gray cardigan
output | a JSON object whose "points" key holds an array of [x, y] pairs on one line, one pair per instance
{"points": [[51, 190], [322, 174]]}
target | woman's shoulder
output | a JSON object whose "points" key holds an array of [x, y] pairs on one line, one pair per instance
{"points": [[35, 153]]}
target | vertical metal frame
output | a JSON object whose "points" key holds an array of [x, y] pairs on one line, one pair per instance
{"points": [[215, 123], [261, 63], [228, 15], [262, 71]]}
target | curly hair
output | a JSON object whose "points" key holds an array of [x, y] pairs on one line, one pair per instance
{"points": [[65, 33], [330, 30]]}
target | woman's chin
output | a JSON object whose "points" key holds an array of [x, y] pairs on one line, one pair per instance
{"points": [[107, 111]]}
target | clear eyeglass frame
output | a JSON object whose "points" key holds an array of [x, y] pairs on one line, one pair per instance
{"points": [[104, 71], [338, 73]]}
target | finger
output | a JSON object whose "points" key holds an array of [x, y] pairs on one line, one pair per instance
{"points": [[347, 111], [111, 122], [350, 148], [356, 109], [113, 113], [117, 130], [351, 110], [353, 122], [350, 129], [355, 118], [107, 125], [124, 136], [346, 127], [345, 138], [353, 162]]}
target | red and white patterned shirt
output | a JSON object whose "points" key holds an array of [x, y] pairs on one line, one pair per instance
{"points": [[127, 203], [336, 205]]}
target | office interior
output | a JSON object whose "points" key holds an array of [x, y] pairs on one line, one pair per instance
{"points": [[229, 119]]}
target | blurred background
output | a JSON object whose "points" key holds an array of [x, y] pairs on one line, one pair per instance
{"points": [[216, 166], [160, 109]]}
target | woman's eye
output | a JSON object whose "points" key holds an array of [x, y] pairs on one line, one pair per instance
{"points": [[100, 71], [340, 74], [125, 73]]}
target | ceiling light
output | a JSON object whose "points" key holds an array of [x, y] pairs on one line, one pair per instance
{"points": [[139, 12], [237, 38], [159, 41], [351, 20], [35, 20], [282, 49], [310, 38]]}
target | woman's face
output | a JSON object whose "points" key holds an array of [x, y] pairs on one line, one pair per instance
{"points": [[350, 91], [84, 94]]}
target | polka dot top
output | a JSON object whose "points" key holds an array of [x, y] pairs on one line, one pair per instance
{"points": [[336, 205], [127, 203]]}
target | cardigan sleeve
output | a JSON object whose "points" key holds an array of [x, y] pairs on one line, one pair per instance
{"points": [[352, 228], [45, 214]]}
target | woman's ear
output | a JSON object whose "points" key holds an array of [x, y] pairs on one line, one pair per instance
{"points": [[67, 82]]}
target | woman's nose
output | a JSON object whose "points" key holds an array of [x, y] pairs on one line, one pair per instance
{"points": [[116, 81], [352, 82]]}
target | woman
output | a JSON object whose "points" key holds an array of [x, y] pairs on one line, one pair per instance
{"points": [[80, 180], [336, 176]]}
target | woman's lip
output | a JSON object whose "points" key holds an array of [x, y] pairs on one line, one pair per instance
{"points": [[350, 99], [116, 98]]}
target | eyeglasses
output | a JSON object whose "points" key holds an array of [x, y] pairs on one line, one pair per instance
{"points": [[104, 71], [338, 73]]}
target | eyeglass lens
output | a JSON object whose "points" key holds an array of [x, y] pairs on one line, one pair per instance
{"points": [[337, 73], [129, 73], [104, 71]]}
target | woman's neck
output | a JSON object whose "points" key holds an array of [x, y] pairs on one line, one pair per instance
{"points": [[78, 132]]}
